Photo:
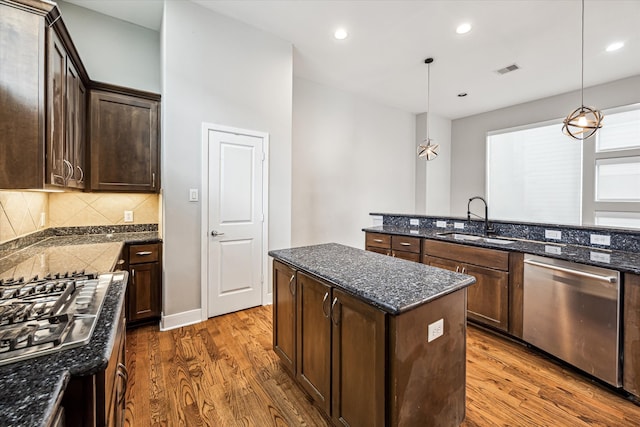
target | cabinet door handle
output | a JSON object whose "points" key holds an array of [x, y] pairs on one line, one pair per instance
{"points": [[81, 174], [393, 254], [389, 253], [464, 270], [133, 275], [457, 269], [153, 180], [124, 375], [325, 310], [405, 244], [144, 253], [292, 288], [69, 166], [377, 240], [333, 306]]}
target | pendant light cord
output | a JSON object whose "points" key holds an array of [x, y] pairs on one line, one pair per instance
{"points": [[582, 66], [428, 96]]}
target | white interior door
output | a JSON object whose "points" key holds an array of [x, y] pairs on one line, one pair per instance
{"points": [[235, 214]]}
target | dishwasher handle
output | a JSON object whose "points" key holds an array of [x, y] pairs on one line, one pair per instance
{"points": [[608, 279]]}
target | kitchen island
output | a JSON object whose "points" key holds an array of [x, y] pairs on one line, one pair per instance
{"points": [[374, 340]]}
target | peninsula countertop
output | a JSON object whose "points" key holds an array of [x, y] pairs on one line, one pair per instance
{"points": [[627, 262], [391, 284]]}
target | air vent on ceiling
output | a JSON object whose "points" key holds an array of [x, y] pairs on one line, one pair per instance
{"points": [[508, 69]]}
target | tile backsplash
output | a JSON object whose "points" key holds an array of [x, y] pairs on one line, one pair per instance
{"points": [[21, 213], [83, 209]]}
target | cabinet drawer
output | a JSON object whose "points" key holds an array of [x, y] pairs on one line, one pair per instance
{"points": [[144, 253], [378, 240], [406, 244], [482, 257]]}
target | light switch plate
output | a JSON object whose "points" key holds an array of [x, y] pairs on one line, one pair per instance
{"points": [[193, 194], [601, 239], [441, 224], [553, 234], [458, 225], [551, 249], [436, 329], [128, 216], [600, 257], [414, 221], [43, 219]]}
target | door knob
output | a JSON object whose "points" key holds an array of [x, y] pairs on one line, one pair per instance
{"points": [[214, 233]]}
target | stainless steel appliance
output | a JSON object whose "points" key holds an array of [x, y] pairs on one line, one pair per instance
{"points": [[49, 314], [572, 311]]}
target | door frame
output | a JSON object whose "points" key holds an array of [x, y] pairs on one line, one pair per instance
{"points": [[204, 212]]}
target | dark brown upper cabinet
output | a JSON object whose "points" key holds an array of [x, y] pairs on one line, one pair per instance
{"points": [[124, 140], [42, 99]]}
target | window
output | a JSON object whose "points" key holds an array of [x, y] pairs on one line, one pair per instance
{"points": [[534, 174], [537, 174]]}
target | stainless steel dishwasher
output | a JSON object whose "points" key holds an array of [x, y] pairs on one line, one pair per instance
{"points": [[572, 311]]}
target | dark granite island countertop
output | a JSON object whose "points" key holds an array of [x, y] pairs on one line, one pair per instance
{"points": [[391, 284]]}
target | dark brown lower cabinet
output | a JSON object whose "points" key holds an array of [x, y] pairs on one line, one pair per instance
{"points": [[365, 367], [144, 291], [631, 319], [488, 298], [99, 400], [284, 314]]}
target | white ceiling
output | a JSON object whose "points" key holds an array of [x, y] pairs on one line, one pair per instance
{"points": [[382, 59]]}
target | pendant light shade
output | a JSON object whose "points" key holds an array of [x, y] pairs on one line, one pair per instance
{"points": [[583, 122], [427, 150]]}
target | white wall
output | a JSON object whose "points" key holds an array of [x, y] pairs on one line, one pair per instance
{"points": [[114, 51], [217, 70], [433, 178], [350, 157], [468, 135]]}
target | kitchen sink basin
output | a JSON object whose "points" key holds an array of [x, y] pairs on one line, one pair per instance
{"points": [[474, 238]]}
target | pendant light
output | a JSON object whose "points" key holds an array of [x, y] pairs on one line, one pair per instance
{"points": [[583, 122], [428, 150]]}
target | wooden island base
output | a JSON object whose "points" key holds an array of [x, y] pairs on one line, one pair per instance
{"points": [[363, 366]]}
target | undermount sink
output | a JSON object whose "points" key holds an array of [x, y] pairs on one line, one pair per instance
{"points": [[474, 238]]}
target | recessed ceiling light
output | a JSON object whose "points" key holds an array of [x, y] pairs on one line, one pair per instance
{"points": [[463, 28], [615, 46], [340, 34]]}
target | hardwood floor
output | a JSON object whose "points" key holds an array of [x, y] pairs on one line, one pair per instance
{"points": [[223, 373]]}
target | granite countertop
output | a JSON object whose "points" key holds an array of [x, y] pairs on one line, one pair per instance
{"points": [[93, 253], [30, 389], [391, 284], [627, 262]]}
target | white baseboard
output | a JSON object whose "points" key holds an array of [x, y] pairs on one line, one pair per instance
{"points": [[173, 321]]}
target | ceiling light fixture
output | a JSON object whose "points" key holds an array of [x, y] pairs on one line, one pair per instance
{"points": [[463, 28], [340, 34], [462, 94], [583, 122], [615, 46], [428, 151]]}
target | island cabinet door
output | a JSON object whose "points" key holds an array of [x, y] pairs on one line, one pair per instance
{"points": [[284, 314], [314, 339], [359, 349]]}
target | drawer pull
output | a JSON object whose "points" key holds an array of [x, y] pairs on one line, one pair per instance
{"points": [[405, 244], [377, 240], [144, 253]]}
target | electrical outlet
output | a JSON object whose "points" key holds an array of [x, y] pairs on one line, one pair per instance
{"points": [[550, 249], [436, 329], [458, 225], [193, 194], [414, 231], [128, 216], [441, 224], [601, 239], [600, 257], [43, 219], [553, 234], [414, 221]]}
